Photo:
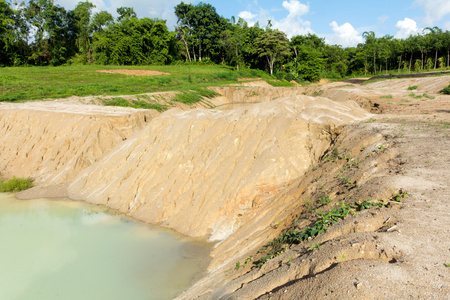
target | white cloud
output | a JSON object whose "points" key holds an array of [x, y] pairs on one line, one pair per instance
{"points": [[296, 8], [435, 10], [447, 25], [344, 35], [247, 16], [406, 28], [383, 19], [161, 9], [292, 24]]}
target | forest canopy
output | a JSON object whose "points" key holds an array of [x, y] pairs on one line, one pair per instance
{"points": [[40, 33]]}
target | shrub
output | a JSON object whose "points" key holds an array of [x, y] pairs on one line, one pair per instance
{"points": [[16, 184], [446, 90]]}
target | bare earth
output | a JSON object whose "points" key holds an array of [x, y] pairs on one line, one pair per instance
{"points": [[134, 72], [399, 252]]}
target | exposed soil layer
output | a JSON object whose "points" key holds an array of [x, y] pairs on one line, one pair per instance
{"points": [[134, 72], [395, 252]]}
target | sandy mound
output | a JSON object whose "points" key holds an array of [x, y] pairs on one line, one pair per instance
{"points": [[134, 72], [52, 142], [203, 172]]}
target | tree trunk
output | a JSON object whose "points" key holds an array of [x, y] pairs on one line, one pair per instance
{"points": [[374, 62], [365, 67], [422, 58], [410, 61], [435, 59], [270, 61], [448, 57], [193, 51], [187, 48], [400, 63]]}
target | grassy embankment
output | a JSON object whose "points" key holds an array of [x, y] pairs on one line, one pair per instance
{"points": [[15, 184], [32, 83]]}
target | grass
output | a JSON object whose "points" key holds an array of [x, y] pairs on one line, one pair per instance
{"points": [[16, 184], [134, 104], [323, 222], [31, 83], [386, 97], [412, 87], [280, 83]]}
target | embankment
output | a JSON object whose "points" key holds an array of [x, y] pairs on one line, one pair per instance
{"points": [[205, 172], [52, 142]]}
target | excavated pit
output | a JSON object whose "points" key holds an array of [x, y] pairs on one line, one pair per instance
{"points": [[239, 173]]}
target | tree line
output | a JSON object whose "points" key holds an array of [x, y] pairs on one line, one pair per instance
{"points": [[38, 32]]}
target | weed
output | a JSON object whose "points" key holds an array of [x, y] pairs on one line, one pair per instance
{"points": [[16, 184], [412, 87], [324, 200], [446, 91], [447, 265], [412, 95], [314, 247], [387, 96], [371, 120], [317, 93], [428, 96]]}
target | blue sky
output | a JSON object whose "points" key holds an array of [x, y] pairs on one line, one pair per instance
{"points": [[338, 21]]}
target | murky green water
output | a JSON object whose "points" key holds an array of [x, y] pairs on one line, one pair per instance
{"points": [[72, 250]]}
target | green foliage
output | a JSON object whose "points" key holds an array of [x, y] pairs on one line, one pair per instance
{"points": [[324, 200], [16, 184], [314, 247], [387, 97], [412, 87], [280, 83], [273, 45], [191, 97], [135, 104], [446, 90]]}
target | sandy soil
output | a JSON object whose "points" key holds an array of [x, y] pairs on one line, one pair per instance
{"points": [[390, 253], [401, 253], [134, 72]]}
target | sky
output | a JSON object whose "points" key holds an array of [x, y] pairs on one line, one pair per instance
{"points": [[340, 22]]}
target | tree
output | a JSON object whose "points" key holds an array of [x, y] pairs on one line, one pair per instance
{"points": [[82, 15], [371, 44], [134, 41], [199, 27], [125, 13], [435, 37], [272, 45]]}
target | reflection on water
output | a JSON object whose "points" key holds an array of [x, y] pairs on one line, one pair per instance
{"points": [[71, 250]]}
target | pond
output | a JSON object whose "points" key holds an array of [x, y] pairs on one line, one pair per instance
{"points": [[72, 250]]}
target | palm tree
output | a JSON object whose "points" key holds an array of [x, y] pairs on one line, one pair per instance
{"points": [[371, 43], [436, 40]]}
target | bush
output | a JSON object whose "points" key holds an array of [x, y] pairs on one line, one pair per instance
{"points": [[16, 184], [446, 90]]}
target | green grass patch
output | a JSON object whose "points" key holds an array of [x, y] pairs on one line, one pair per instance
{"points": [[32, 83], [16, 184], [412, 95], [280, 83], [412, 87], [386, 97], [118, 101]]}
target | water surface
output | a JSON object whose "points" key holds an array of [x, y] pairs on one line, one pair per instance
{"points": [[73, 250]]}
